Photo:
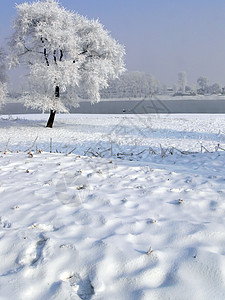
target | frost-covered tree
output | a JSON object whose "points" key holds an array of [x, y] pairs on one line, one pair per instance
{"points": [[182, 81], [175, 88], [193, 89], [3, 93], [133, 84], [3, 77], [215, 88], [65, 53], [203, 82]]}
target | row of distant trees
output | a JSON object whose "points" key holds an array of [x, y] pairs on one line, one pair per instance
{"points": [[132, 85], [139, 84], [203, 86]]}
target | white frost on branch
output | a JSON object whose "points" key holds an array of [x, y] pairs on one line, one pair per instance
{"points": [[3, 78], [65, 50], [3, 93]]}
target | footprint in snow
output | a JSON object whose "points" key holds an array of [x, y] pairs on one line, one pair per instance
{"points": [[31, 257], [33, 253], [82, 287], [5, 223]]}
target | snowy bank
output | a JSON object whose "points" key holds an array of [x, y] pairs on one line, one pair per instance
{"points": [[143, 226]]}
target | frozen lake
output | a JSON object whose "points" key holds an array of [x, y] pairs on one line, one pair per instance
{"points": [[135, 107]]}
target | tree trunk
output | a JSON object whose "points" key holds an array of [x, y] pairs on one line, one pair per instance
{"points": [[51, 118], [53, 112]]}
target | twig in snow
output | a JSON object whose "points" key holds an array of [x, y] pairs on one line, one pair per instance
{"points": [[87, 151], [180, 201], [50, 146], [141, 152], [6, 146], [104, 151], [163, 152], [93, 153], [203, 147], [98, 154], [71, 150], [149, 251], [31, 148], [218, 147], [151, 150], [183, 152], [111, 148], [171, 150], [125, 154]]}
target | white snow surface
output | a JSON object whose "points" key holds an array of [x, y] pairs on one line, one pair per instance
{"points": [[124, 207]]}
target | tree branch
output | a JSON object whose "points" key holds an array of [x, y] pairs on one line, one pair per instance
{"points": [[45, 52], [61, 55], [83, 52], [54, 56], [46, 57]]}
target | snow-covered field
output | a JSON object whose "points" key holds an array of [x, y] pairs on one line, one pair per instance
{"points": [[124, 207]]}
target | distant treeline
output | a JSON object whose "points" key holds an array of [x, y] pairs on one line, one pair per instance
{"points": [[139, 84]]}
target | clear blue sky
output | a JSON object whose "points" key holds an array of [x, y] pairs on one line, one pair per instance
{"points": [[161, 37]]}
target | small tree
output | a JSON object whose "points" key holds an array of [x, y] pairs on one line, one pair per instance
{"points": [[203, 82], [3, 93], [175, 88], [3, 78], [65, 53], [215, 88], [194, 89], [182, 81]]}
